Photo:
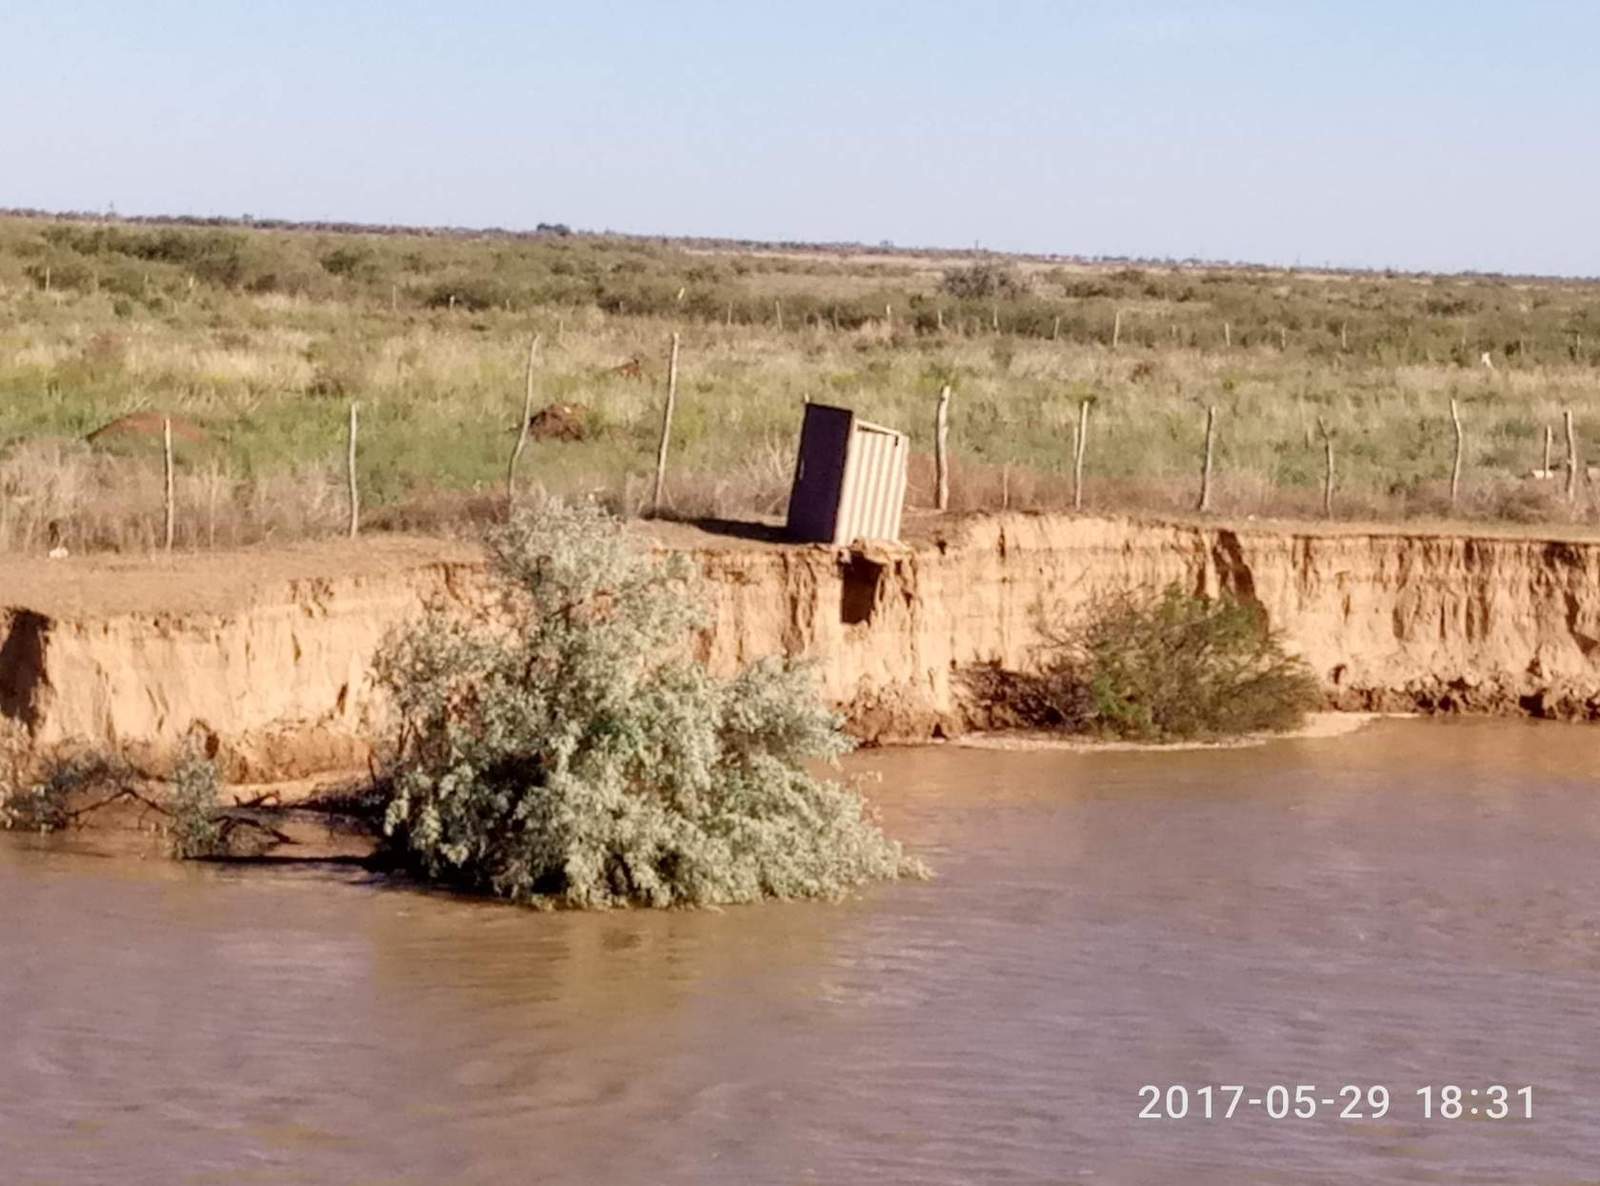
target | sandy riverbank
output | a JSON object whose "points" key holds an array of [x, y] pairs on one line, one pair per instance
{"points": [[267, 653], [1318, 726]]}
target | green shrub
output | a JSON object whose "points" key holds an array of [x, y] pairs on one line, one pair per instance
{"points": [[982, 281], [472, 293], [16, 762], [1169, 665], [563, 748], [195, 830], [45, 794], [350, 260]]}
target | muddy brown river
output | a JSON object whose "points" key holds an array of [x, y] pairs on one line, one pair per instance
{"points": [[1414, 906]]}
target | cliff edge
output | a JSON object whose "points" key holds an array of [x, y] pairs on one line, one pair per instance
{"points": [[266, 654]]}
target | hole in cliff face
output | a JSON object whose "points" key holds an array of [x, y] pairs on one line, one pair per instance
{"points": [[858, 592], [1233, 570], [204, 738], [22, 667]]}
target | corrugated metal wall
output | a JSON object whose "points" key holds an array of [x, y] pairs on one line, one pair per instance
{"points": [[874, 485]]}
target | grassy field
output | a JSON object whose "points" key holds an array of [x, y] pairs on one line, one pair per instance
{"points": [[256, 340]]}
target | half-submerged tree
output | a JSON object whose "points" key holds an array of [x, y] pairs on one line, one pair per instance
{"points": [[564, 747]]}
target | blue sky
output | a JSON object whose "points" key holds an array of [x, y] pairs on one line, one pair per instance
{"points": [[1416, 135]]}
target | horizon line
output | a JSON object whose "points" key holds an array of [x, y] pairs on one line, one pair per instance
{"points": [[884, 247]]}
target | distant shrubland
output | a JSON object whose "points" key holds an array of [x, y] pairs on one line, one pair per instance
{"points": [[255, 339]]}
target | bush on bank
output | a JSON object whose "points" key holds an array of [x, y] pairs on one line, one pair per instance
{"points": [[1168, 665], [196, 830], [47, 792], [563, 748]]}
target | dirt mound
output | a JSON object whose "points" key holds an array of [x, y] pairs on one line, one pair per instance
{"points": [[560, 422], [147, 425]]}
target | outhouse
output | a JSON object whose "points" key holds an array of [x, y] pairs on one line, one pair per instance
{"points": [[849, 479]]}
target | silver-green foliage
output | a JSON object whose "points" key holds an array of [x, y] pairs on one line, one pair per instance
{"points": [[15, 758], [195, 830], [36, 789], [564, 747]]}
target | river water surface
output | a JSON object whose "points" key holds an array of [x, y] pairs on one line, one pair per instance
{"points": [[1416, 904]]}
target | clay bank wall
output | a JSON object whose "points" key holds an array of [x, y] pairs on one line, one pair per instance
{"points": [[277, 676]]}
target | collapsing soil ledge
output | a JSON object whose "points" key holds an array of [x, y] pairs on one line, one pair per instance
{"points": [[273, 672]]}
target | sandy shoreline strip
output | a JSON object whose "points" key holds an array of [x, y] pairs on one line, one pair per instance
{"points": [[1318, 726]]}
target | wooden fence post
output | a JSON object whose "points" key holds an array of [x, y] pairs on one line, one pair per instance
{"points": [[166, 442], [1549, 434], [1077, 455], [941, 448], [1227, 335], [1327, 476], [1455, 471], [1204, 503], [1572, 458], [666, 425], [1116, 330], [522, 429], [1055, 330], [939, 317], [350, 469], [777, 310]]}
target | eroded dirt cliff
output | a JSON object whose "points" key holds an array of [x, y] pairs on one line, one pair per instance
{"points": [[270, 663]]}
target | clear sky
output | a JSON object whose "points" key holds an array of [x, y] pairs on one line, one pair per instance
{"points": [[1406, 133]]}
